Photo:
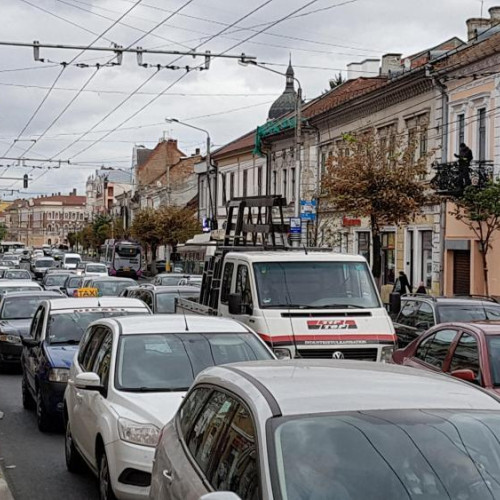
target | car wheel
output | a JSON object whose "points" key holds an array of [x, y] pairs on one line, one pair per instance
{"points": [[28, 401], [42, 417], [105, 489], [73, 458]]}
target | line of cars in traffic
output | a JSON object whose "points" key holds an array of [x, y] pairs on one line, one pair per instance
{"points": [[155, 405]]}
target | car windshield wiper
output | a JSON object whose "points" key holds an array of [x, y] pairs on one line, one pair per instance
{"points": [[341, 306], [67, 342], [154, 389]]}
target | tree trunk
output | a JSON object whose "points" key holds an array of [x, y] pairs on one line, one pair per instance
{"points": [[153, 259], [377, 257], [484, 256]]}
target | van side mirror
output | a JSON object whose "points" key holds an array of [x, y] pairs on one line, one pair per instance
{"points": [[395, 303], [234, 303], [30, 342]]}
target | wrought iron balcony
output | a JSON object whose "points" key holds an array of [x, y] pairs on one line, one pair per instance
{"points": [[453, 178]]}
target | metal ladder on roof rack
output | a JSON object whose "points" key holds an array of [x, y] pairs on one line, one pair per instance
{"points": [[253, 224]]}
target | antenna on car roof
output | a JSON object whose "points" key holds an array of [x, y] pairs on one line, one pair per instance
{"points": [[183, 312]]}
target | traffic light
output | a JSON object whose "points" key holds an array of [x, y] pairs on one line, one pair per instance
{"points": [[25, 181]]}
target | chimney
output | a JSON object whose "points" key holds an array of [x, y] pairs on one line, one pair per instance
{"points": [[197, 152], [353, 70], [476, 23], [391, 63]]}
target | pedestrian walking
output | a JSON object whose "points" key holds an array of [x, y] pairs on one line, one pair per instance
{"points": [[402, 285], [421, 289]]}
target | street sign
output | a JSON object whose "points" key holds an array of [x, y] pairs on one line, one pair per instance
{"points": [[308, 209], [295, 225]]}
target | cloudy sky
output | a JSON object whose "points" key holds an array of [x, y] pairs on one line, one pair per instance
{"points": [[125, 105]]}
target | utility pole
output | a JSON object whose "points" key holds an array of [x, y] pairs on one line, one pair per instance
{"points": [[212, 183]]}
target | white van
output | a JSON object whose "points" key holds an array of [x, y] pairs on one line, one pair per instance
{"points": [[71, 260]]}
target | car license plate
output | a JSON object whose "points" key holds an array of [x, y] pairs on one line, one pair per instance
{"points": [[126, 268]]}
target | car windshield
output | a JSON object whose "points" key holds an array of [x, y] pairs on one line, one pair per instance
{"points": [[494, 355], [112, 288], [44, 263], [71, 260], [469, 312], [315, 285], [388, 455], [55, 279], [74, 282], [20, 274], [20, 288], [169, 280], [96, 269], [20, 307], [170, 362], [165, 302], [68, 326]]}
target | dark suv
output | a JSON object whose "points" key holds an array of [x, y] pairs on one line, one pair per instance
{"points": [[420, 312]]}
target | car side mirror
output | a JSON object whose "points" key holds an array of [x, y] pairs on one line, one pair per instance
{"points": [[30, 342], [465, 374], [423, 325], [89, 381], [234, 303], [221, 495]]}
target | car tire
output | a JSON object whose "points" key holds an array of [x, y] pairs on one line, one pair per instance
{"points": [[42, 417], [105, 488], [74, 461], [28, 401]]}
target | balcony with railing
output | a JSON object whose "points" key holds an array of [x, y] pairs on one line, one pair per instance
{"points": [[451, 179]]}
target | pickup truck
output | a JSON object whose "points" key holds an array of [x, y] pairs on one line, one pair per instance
{"points": [[303, 304]]}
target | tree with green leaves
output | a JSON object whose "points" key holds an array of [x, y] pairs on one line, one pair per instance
{"points": [[377, 177], [146, 229], [479, 209], [176, 225]]}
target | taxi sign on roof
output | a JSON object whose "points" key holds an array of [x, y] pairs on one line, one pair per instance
{"points": [[87, 292]]}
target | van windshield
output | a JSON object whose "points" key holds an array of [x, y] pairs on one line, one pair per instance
{"points": [[319, 285]]}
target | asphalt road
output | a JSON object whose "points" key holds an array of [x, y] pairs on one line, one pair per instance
{"points": [[33, 462]]}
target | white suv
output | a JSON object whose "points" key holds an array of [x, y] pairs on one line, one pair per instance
{"points": [[128, 379]]}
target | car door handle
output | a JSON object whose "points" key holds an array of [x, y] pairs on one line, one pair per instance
{"points": [[167, 474]]}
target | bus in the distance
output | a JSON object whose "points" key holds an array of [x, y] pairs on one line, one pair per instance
{"points": [[122, 258], [10, 246]]}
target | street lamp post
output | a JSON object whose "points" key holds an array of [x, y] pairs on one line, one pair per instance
{"points": [[212, 205], [298, 132]]}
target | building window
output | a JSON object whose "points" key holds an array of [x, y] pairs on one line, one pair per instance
{"points": [[461, 130], [245, 183], [323, 163], [423, 143], [481, 146], [223, 189], [275, 181], [293, 183], [426, 264], [363, 244], [285, 183], [388, 257], [259, 181], [231, 186]]}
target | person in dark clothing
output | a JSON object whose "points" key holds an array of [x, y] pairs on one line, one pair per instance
{"points": [[421, 289], [465, 158], [402, 285]]}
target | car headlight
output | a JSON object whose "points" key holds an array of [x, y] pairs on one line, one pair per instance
{"points": [[386, 354], [13, 339], [134, 432], [58, 375]]}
